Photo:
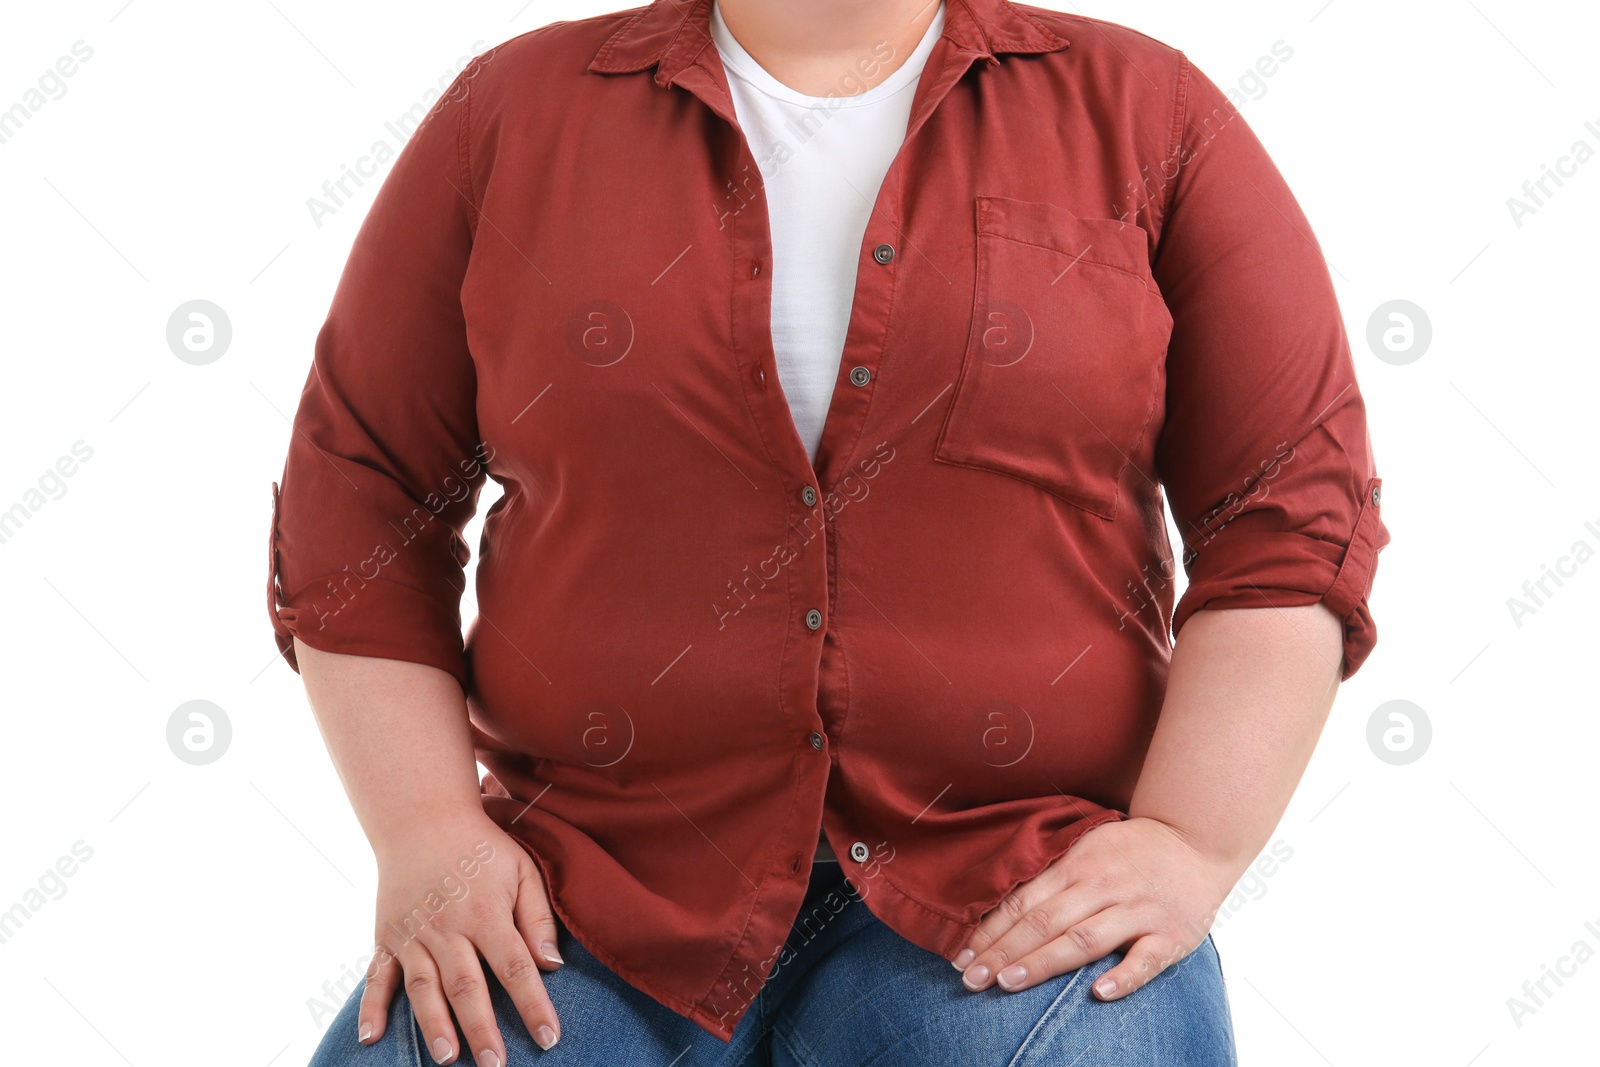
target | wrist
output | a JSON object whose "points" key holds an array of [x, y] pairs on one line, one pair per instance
{"points": [[1228, 858], [399, 827]]}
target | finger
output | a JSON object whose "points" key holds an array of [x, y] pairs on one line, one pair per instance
{"points": [[383, 978], [1103, 934], [461, 975], [1145, 961], [519, 974], [1004, 916], [536, 925], [428, 1004], [1064, 914]]}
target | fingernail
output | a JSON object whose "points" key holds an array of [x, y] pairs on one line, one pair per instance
{"points": [[441, 1050], [964, 957], [1105, 987], [1012, 976], [487, 1058], [544, 1037], [975, 977], [547, 949], [366, 1031]]}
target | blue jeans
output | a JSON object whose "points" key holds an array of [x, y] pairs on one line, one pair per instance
{"points": [[853, 993]]}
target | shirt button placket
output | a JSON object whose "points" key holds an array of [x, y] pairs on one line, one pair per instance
{"points": [[859, 376], [813, 618]]}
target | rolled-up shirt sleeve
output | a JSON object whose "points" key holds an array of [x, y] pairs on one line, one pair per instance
{"points": [[1264, 454], [384, 463]]}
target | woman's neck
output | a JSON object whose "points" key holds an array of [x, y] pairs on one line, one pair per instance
{"points": [[810, 46]]}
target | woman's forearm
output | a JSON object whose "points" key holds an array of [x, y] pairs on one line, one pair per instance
{"points": [[1247, 696], [399, 737]]}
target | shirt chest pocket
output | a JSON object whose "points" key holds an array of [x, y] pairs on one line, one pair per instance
{"points": [[1065, 358]]}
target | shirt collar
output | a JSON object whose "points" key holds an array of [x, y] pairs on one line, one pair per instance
{"points": [[672, 33]]}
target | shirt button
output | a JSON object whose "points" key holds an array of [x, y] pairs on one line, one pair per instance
{"points": [[858, 852], [794, 864], [813, 619], [1374, 496], [808, 495], [883, 253], [860, 375], [816, 740]]}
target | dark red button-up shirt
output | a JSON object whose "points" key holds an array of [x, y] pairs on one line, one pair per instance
{"points": [[1083, 282]]}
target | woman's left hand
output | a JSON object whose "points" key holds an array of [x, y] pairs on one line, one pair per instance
{"points": [[1133, 884]]}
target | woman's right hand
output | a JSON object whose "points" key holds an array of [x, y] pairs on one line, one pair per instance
{"points": [[456, 889]]}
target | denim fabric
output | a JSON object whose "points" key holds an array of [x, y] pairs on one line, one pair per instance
{"points": [[848, 993]]}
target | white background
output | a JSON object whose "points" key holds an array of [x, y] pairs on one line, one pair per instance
{"points": [[219, 899]]}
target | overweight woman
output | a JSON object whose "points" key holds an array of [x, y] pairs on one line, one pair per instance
{"points": [[838, 363]]}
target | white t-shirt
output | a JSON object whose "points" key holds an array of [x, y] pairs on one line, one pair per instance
{"points": [[821, 159]]}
